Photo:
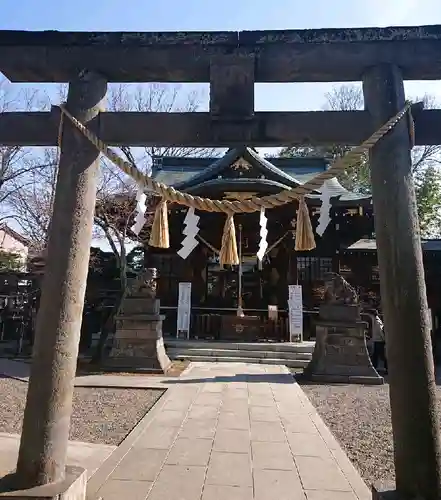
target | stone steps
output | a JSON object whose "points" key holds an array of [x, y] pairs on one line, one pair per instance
{"points": [[293, 347], [290, 363], [292, 355], [233, 353]]}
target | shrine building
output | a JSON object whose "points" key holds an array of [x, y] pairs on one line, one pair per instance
{"points": [[240, 174]]}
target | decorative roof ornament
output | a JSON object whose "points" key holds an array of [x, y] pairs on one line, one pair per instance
{"points": [[240, 164], [240, 196]]}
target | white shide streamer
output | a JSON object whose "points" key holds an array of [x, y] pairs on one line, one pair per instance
{"points": [[263, 244], [140, 211], [325, 208], [191, 229]]}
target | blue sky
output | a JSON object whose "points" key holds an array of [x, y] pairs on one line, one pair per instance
{"points": [[188, 15], [145, 15], [162, 15]]}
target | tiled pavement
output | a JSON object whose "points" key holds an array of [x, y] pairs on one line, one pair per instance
{"points": [[231, 432]]}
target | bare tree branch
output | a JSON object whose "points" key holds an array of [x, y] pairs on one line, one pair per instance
{"points": [[161, 98]]}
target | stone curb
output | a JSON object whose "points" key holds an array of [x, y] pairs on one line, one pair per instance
{"points": [[360, 488], [97, 480]]}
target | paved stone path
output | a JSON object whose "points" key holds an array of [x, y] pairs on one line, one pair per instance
{"points": [[233, 432]]}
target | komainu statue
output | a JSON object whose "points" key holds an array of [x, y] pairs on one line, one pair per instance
{"points": [[144, 284], [138, 344], [340, 352], [339, 291]]}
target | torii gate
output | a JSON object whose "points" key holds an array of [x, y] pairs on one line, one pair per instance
{"points": [[231, 62]]}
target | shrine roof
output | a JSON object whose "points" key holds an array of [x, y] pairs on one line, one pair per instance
{"points": [[370, 245], [195, 175]]}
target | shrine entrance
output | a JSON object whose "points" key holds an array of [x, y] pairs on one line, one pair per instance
{"points": [[231, 62], [223, 285], [217, 290]]}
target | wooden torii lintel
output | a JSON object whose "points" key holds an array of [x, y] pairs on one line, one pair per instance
{"points": [[314, 55], [264, 129]]}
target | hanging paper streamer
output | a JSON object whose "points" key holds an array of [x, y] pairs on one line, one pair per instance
{"points": [[263, 244], [325, 209], [140, 211], [191, 229]]}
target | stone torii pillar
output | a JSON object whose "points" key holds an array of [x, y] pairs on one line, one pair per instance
{"points": [[403, 294], [44, 438]]}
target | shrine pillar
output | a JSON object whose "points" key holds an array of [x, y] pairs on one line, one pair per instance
{"points": [[44, 438], [403, 294], [293, 278]]}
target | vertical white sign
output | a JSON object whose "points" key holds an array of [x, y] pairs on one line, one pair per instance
{"points": [[184, 310], [295, 313]]}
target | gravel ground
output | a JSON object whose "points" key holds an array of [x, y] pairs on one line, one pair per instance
{"points": [[100, 415], [359, 417]]}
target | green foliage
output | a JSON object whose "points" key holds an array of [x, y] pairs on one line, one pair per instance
{"points": [[355, 178], [10, 261], [428, 195]]}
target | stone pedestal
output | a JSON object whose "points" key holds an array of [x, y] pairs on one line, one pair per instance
{"points": [[340, 354], [73, 487], [138, 344]]}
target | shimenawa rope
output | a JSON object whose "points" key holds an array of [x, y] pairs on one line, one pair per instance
{"points": [[228, 254]]}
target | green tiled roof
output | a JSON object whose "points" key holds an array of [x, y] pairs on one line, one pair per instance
{"points": [[171, 177], [370, 245], [180, 172]]}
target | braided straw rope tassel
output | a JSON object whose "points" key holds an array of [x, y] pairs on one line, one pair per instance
{"points": [[305, 240], [160, 234], [228, 254]]}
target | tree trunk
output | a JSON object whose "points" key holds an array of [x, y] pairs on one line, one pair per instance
{"points": [[44, 439], [109, 324], [107, 327], [403, 294]]}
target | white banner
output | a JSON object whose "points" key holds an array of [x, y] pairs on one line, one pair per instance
{"points": [[140, 211], [263, 244], [295, 312], [191, 229], [184, 309]]}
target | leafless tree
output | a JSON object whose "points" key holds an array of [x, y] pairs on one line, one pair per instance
{"points": [[344, 98], [350, 98], [426, 156], [114, 184], [159, 98], [17, 162], [116, 194], [31, 177], [31, 202]]}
